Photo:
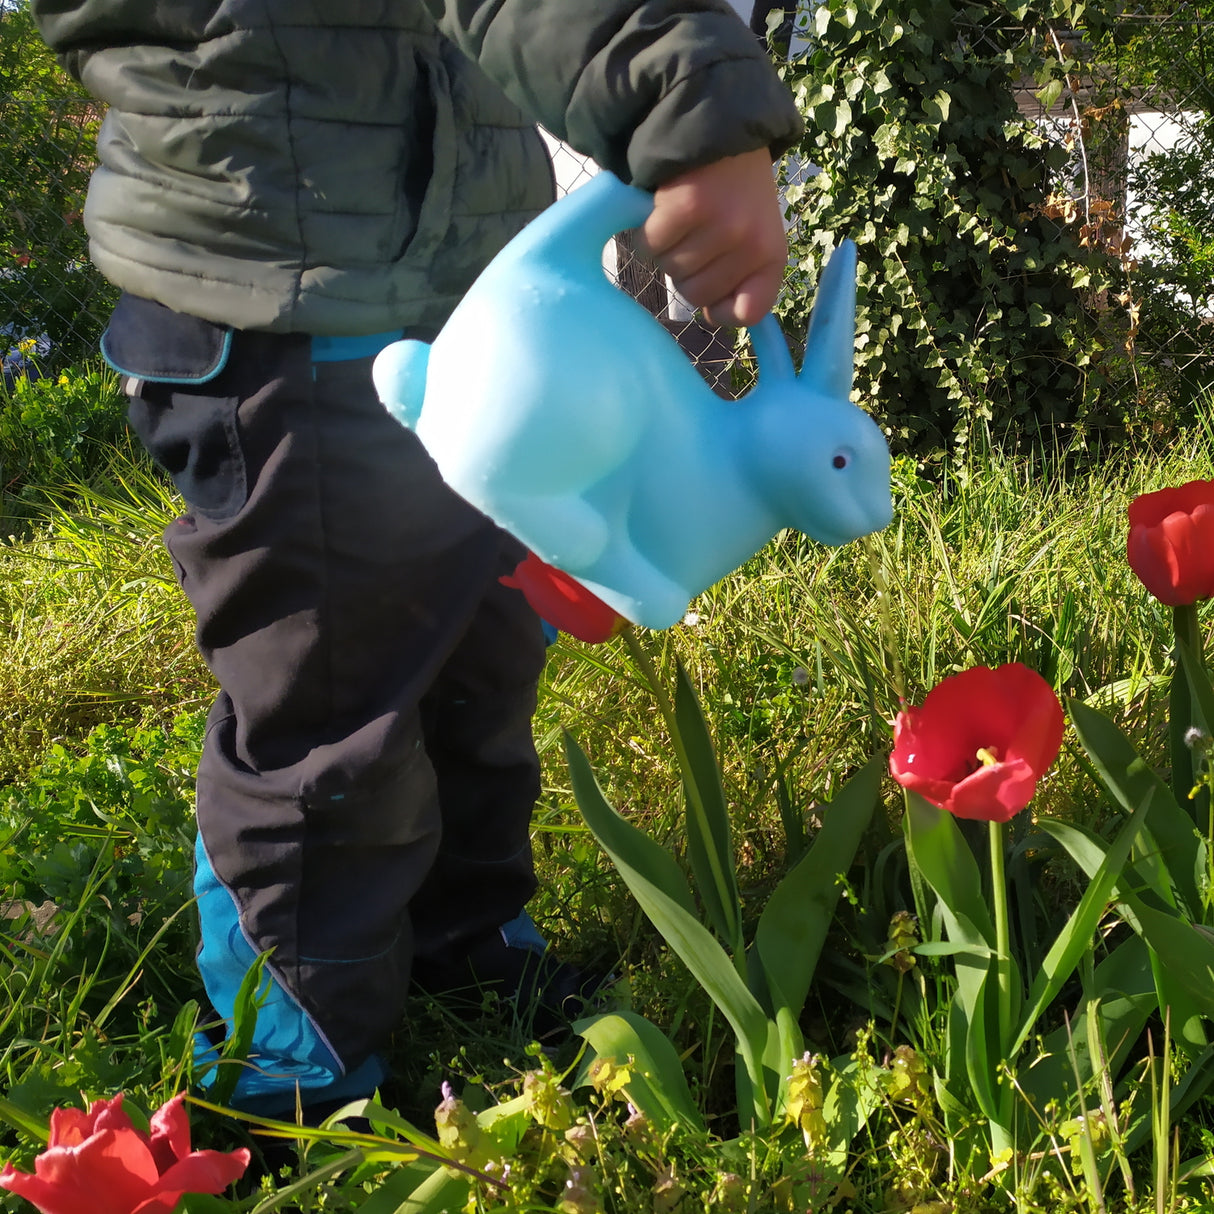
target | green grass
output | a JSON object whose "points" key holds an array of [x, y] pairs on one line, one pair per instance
{"points": [[96, 629], [800, 661]]}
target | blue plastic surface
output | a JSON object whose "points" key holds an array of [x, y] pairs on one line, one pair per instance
{"points": [[558, 406]]}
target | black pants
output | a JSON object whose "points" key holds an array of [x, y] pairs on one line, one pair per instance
{"points": [[368, 775]]}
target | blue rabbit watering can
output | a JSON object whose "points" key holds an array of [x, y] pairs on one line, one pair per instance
{"points": [[554, 403]]}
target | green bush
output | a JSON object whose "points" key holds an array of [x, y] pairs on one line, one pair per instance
{"points": [[130, 789], [1177, 274], [971, 297], [54, 432], [48, 289]]}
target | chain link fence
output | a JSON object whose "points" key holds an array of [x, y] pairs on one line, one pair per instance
{"points": [[53, 304], [1134, 110], [711, 350], [1136, 114]]}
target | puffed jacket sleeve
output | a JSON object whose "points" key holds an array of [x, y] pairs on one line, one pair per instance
{"points": [[648, 88], [73, 28]]}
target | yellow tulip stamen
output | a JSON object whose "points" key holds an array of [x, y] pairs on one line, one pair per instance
{"points": [[987, 757]]}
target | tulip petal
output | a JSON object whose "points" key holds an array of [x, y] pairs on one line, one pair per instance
{"points": [[1039, 724], [1203, 534], [937, 792], [1190, 540], [994, 794], [205, 1172], [1177, 534], [69, 1127], [1150, 509], [110, 1115], [109, 1173], [47, 1197], [170, 1133], [1151, 560], [161, 1203], [929, 750]]}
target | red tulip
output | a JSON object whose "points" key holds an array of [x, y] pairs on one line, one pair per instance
{"points": [[1171, 542], [565, 603], [980, 742], [98, 1163]]}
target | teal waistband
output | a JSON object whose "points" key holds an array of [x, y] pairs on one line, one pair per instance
{"points": [[342, 349]]}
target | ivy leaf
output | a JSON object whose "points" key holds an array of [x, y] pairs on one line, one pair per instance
{"points": [[887, 138], [1038, 317], [937, 108], [1050, 93], [833, 118]]}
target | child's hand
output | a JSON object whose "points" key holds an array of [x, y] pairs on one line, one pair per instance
{"points": [[718, 232]]}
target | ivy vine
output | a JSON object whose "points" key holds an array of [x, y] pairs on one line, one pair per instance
{"points": [[974, 298]]}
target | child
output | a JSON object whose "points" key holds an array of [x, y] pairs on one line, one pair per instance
{"points": [[284, 188]]}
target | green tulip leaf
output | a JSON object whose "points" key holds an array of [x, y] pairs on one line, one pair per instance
{"points": [[1186, 1011], [947, 864], [401, 1193], [1075, 940], [1089, 851], [982, 1048], [1132, 783], [1200, 688], [1118, 1000], [1200, 700], [656, 1084], [1178, 948], [663, 895], [709, 848], [1186, 951], [628, 847], [793, 926], [785, 1044]]}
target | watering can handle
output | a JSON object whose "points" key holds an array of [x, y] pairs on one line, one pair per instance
{"points": [[577, 229]]}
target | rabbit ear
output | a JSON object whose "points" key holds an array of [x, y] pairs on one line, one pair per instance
{"points": [[771, 349], [830, 349]]}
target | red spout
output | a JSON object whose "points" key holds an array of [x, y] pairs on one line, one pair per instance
{"points": [[565, 603]]}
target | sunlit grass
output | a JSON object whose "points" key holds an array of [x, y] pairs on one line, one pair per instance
{"points": [[95, 628]]}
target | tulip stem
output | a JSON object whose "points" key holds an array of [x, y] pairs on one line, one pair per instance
{"points": [[1003, 940], [1180, 706], [1003, 935]]}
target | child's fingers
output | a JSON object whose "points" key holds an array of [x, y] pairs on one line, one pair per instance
{"points": [[738, 287], [717, 231], [672, 224], [748, 300]]}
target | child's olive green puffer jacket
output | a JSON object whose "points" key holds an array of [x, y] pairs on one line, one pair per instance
{"points": [[349, 166]]}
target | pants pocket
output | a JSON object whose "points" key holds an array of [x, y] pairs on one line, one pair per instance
{"points": [[195, 438], [180, 405]]}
